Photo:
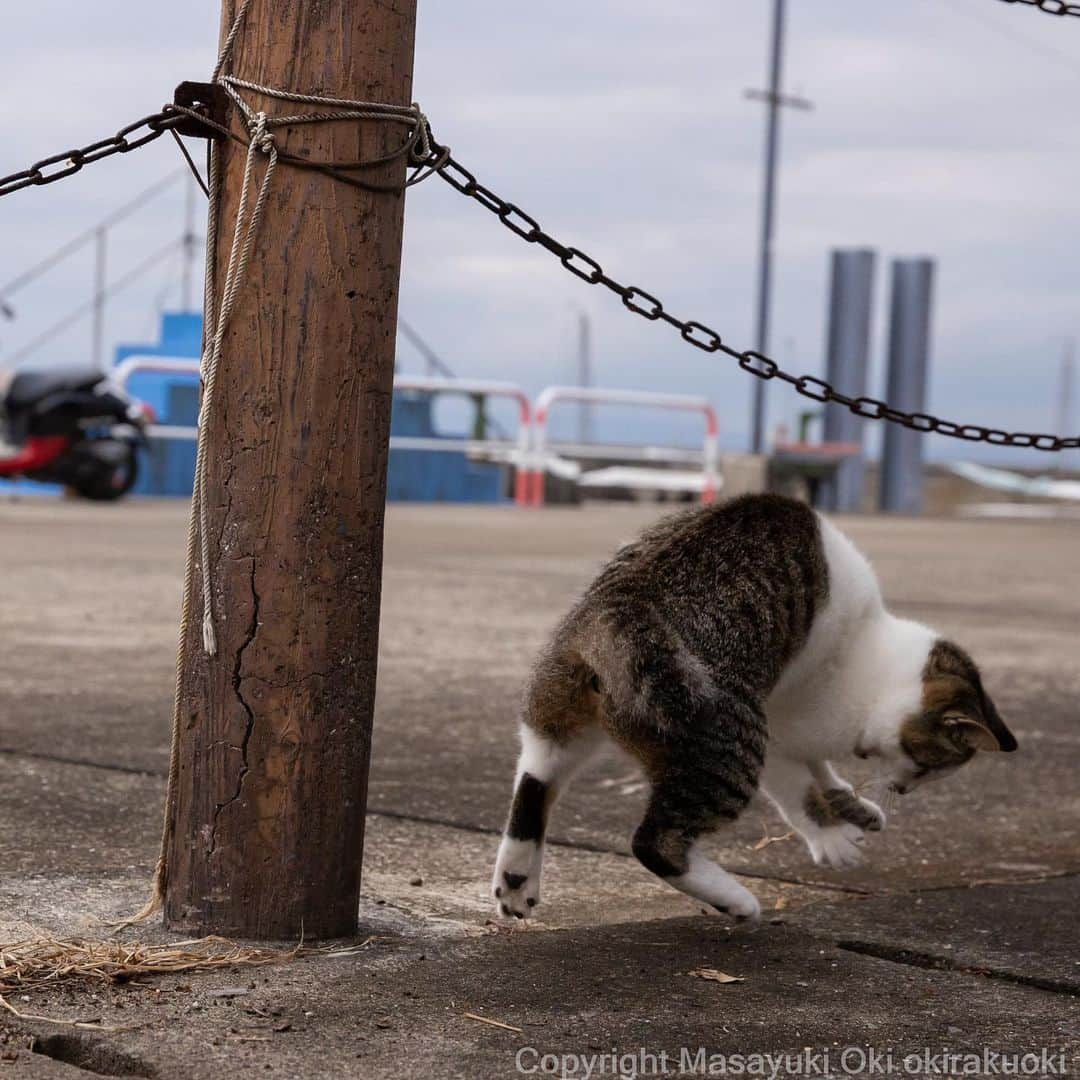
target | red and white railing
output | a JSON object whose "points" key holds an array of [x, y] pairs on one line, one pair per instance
{"points": [[637, 398], [531, 455], [518, 451]]}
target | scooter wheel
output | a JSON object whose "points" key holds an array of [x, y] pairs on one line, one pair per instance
{"points": [[111, 481]]}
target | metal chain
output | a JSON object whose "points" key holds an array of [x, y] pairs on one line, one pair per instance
{"points": [[703, 337], [428, 156], [1051, 7], [59, 166]]}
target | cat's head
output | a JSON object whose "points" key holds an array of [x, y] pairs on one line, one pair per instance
{"points": [[956, 718]]}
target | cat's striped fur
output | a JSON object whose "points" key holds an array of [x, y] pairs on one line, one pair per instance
{"points": [[722, 630]]}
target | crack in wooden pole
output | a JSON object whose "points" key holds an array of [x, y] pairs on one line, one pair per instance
{"points": [[268, 821]]}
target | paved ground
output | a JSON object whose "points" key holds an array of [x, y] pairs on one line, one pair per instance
{"points": [[961, 932]]}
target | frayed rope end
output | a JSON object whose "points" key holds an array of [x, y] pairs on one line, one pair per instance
{"points": [[153, 905]]}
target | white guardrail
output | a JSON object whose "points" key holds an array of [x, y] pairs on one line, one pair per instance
{"points": [[532, 456], [640, 399]]}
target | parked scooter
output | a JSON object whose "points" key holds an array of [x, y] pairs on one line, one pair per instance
{"points": [[71, 426]]}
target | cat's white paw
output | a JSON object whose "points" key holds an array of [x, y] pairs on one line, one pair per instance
{"points": [[743, 905], [706, 881], [516, 884], [838, 846]]}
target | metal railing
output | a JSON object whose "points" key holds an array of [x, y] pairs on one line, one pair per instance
{"points": [[515, 452], [637, 398]]}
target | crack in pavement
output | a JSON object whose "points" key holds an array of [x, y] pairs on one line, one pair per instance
{"points": [[909, 605], [449, 823], [84, 763], [603, 849], [934, 962], [572, 845]]}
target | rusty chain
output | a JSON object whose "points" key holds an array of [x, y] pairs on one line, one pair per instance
{"points": [[59, 166], [1051, 7], [439, 160], [708, 340]]}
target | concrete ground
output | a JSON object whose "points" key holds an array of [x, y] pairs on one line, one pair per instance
{"points": [[959, 934]]}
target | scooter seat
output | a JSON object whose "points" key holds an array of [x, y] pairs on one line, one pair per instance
{"points": [[28, 387]]}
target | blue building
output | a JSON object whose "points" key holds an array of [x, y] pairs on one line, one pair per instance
{"points": [[414, 475], [169, 465]]}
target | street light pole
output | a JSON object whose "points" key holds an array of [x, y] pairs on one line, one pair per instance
{"points": [[1066, 393], [188, 245], [98, 330], [775, 100], [584, 376]]}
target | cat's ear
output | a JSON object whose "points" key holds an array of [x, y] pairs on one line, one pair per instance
{"points": [[973, 733], [1005, 738], [988, 734]]}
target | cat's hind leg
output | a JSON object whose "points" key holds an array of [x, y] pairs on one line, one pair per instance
{"points": [[545, 768], [559, 733], [703, 776]]}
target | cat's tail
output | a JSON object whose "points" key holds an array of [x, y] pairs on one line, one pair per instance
{"points": [[644, 669]]}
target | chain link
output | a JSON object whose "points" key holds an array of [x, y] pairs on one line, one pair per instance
{"points": [[1051, 7], [59, 166], [637, 300], [708, 340]]}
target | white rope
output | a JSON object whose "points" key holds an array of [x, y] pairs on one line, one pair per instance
{"points": [[261, 139], [227, 47], [161, 870], [239, 254], [407, 112], [410, 116]]}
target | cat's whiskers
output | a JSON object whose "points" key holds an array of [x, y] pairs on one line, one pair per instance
{"points": [[881, 791]]}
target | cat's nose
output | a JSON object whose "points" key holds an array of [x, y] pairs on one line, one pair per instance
{"points": [[900, 789]]}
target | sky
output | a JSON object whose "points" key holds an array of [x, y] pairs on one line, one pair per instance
{"points": [[940, 128]]}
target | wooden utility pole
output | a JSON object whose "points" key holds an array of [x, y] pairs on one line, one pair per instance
{"points": [[268, 823]]}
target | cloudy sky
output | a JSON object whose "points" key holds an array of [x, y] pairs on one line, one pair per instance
{"points": [[941, 127]]}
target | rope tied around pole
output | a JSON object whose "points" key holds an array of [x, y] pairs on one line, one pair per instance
{"points": [[261, 139], [243, 242]]}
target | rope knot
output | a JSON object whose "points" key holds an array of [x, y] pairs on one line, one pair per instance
{"points": [[423, 133], [261, 134]]}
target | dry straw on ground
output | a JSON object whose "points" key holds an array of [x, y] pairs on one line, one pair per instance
{"points": [[42, 963]]}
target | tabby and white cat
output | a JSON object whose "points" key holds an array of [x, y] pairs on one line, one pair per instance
{"points": [[719, 631]]}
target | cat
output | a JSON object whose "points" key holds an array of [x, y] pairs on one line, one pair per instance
{"points": [[723, 632]]}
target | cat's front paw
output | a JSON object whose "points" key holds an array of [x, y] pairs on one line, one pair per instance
{"points": [[845, 805], [838, 846], [873, 816], [516, 884]]}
